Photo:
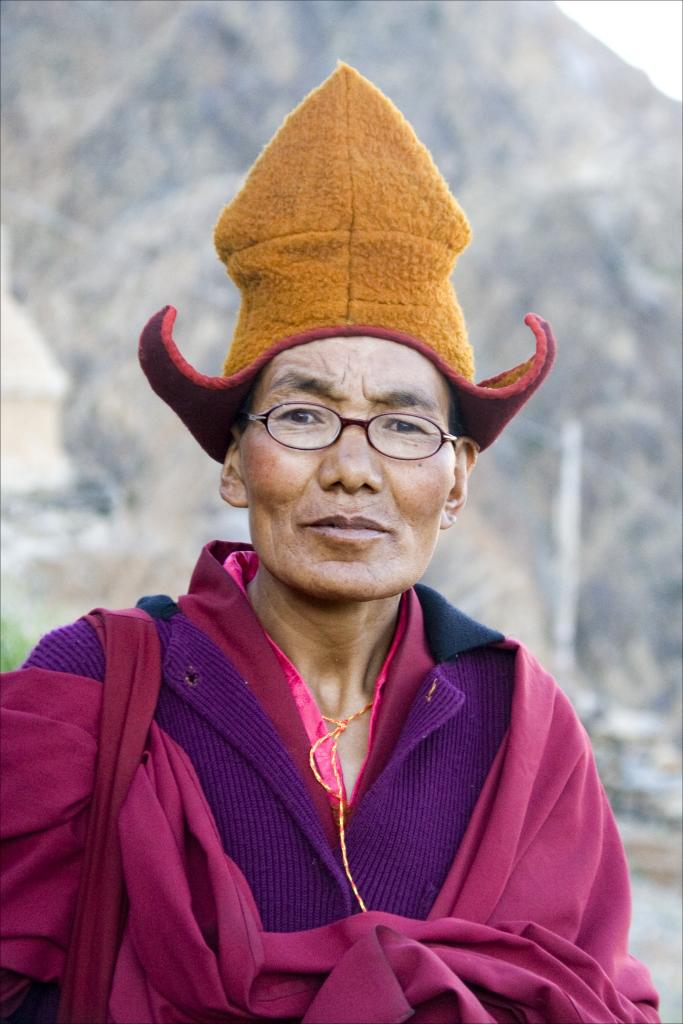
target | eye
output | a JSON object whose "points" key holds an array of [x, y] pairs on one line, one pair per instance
{"points": [[298, 416], [405, 425]]}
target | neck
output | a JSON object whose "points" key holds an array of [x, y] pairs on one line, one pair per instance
{"points": [[337, 647]]}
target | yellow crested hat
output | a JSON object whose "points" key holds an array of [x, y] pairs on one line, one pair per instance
{"points": [[344, 226]]}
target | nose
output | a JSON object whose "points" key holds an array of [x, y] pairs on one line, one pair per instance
{"points": [[351, 462]]}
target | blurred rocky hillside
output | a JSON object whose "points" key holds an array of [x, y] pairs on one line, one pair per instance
{"points": [[128, 125]]}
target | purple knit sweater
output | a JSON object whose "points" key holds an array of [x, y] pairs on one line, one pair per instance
{"points": [[403, 835]]}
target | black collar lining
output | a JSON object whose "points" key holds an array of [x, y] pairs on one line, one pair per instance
{"points": [[449, 631]]}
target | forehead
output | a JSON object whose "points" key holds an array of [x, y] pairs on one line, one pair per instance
{"points": [[351, 367]]}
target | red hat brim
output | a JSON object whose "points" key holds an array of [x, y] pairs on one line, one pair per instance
{"points": [[208, 405]]}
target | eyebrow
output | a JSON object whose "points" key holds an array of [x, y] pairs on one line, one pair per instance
{"points": [[396, 398]]}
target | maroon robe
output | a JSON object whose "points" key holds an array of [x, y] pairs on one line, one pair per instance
{"points": [[531, 923]]}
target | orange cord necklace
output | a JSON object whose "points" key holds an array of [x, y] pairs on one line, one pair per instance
{"points": [[341, 725]]}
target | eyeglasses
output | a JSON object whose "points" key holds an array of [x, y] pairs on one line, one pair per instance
{"points": [[309, 427]]}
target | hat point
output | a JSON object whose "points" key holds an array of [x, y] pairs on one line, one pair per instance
{"points": [[343, 70], [343, 67]]}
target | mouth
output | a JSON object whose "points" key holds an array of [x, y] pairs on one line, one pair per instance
{"points": [[348, 527]]}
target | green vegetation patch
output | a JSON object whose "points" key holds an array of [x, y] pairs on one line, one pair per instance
{"points": [[14, 645]]}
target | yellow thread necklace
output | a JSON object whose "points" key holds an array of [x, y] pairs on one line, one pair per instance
{"points": [[341, 725]]}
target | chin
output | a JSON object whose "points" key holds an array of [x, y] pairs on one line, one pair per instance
{"points": [[357, 583]]}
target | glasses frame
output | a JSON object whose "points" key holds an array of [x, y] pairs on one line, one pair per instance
{"points": [[348, 421]]}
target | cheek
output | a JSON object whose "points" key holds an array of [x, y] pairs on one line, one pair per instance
{"points": [[421, 498], [274, 478]]}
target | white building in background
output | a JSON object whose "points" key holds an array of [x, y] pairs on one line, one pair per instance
{"points": [[33, 387]]}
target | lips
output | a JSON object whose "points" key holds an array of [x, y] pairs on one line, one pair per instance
{"points": [[349, 523]]}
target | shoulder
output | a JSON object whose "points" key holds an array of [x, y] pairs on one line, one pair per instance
{"points": [[453, 634], [77, 648], [57, 688], [542, 711], [52, 702], [74, 649], [539, 706]]}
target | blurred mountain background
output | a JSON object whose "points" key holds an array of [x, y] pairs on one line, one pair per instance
{"points": [[128, 125]]}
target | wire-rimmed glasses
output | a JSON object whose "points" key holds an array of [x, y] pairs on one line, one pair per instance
{"points": [[308, 427]]}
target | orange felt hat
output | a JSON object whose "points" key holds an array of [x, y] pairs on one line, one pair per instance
{"points": [[344, 226]]}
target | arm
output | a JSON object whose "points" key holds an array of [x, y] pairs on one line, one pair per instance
{"points": [[44, 726]]}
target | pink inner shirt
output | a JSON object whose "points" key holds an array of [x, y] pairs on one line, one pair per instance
{"points": [[242, 566]]}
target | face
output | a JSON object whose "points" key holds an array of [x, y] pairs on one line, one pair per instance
{"points": [[346, 522]]}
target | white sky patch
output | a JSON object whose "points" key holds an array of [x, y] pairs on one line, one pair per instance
{"points": [[646, 33]]}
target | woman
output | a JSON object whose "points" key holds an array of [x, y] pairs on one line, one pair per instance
{"points": [[354, 802]]}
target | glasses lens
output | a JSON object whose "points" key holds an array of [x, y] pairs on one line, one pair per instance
{"points": [[404, 436], [298, 425]]}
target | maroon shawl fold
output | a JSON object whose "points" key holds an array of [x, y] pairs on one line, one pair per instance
{"points": [[131, 689], [531, 924]]}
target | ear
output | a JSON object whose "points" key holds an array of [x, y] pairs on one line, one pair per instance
{"points": [[232, 487], [465, 461]]}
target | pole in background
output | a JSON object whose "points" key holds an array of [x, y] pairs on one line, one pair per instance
{"points": [[568, 547]]}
